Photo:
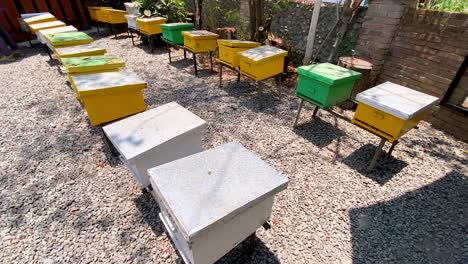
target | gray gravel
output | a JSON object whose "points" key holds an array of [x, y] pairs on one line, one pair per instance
{"points": [[61, 201]]}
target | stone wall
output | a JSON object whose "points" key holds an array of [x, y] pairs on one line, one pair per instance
{"points": [[426, 53], [292, 24]]}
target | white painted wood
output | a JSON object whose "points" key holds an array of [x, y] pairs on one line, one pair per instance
{"points": [[397, 100], [157, 136], [131, 9], [77, 49], [131, 21], [103, 80], [312, 29], [262, 53], [215, 199]]}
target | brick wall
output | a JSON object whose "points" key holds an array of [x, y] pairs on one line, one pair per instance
{"points": [[425, 54]]}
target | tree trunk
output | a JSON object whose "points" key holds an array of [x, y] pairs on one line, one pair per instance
{"points": [[198, 14], [258, 19], [312, 30]]}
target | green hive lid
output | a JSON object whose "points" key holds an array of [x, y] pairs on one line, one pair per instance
{"points": [[178, 26], [91, 61], [69, 38], [329, 73]]}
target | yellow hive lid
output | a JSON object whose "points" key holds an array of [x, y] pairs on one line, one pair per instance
{"points": [[152, 19], [106, 82], [262, 54], [45, 25], [200, 34], [39, 19], [234, 43]]}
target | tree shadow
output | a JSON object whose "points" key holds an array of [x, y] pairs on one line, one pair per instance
{"points": [[428, 225], [387, 165], [319, 132]]}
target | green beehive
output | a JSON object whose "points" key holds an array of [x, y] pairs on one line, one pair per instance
{"points": [[172, 32], [325, 84]]}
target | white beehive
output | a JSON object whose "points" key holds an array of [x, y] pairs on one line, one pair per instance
{"points": [[131, 21], [155, 137], [213, 200]]}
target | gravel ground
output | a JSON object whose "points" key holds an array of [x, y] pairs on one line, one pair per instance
{"points": [[61, 201]]}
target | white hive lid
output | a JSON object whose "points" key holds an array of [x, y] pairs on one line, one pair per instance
{"points": [[214, 185], [41, 33], [262, 52], [78, 49], [104, 80], [137, 134], [397, 100]]}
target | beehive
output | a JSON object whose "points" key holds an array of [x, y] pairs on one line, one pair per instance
{"points": [[113, 16], [131, 8], [150, 25], [96, 14], [34, 28], [325, 84], [172, 32], [41, 33], [200, 40], [39, 18], [109, 96], [211, 201], [23, 25], [152, 138], [68, 39], [390, 110], [131, 21], [91, 49], [92, 64], [262, 63], [229, 49]]}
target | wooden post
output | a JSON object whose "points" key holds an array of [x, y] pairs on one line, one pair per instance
{"points": [[312, 30]]}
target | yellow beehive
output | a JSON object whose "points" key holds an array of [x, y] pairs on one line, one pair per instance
{"points": [[262, 63], [39, 19], [228, 49], [91, 49], [200, 40], [96, 14], [34, 28], [150, 25], [390, 110], [112, 16], [110, 96]]}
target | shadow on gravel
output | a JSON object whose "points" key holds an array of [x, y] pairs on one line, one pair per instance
{"points": [[251, 250], [318, 132], [149, 210], [428, 225], [387, 165]]}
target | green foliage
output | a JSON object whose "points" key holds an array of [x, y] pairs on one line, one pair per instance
{"points": [[232, 16], [174, 10], [445, 5]]}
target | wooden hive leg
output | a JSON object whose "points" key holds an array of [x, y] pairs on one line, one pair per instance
{"points": [[169, 52], [220, 75], [195, 63], [377, 154], [298, 113], [392, 147]]}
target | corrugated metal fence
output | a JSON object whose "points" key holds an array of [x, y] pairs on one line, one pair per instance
{"points": [[72, 12]]}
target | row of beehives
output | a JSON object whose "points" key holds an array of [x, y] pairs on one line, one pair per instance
{"points": [[210, 200]]}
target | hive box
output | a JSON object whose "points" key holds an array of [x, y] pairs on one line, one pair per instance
{"points": [[45, 25], [155, 137], [110, 96], [23, 25], [68, 39], [92, 64], [390, 110], [96, 14], [213, 200], [91, 49], [150, 25], [172, 32], [325, 84], [131, 21], [200, 40], [262, 63], [229, 49], [38, 18], [112, 16], [41, 33], [131, 9]]}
